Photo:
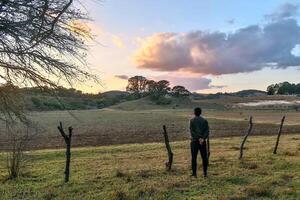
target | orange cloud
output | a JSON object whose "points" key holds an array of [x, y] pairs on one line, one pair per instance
{"points": [[117, 41], [81, 28]]}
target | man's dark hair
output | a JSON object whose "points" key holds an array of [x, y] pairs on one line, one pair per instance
{"points": [[197, 111]]}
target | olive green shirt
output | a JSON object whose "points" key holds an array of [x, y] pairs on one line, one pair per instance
{"points": [[199, 128]]}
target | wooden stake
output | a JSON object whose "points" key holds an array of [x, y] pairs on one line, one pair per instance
{"points": [[67, 139], [245, 138], [208, 150], [278, 136], [170, 153]]}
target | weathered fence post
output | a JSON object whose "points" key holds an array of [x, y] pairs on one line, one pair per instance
{"points": [[208, 150], [278, 136], [67, 139], [170, 153], [245, 138]]}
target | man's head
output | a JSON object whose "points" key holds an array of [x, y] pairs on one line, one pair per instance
{"points": [[197, 111]]}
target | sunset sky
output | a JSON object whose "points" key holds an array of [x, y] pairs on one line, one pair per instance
{"points": [[207, 46]]}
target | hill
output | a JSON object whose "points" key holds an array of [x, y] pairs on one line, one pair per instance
{"points": [[146, 104], [137, 171], [70, 99], [249, 93], [242, 93], [215, 102]]}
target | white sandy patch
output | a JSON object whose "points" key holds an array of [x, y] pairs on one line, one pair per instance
{"points": [[269, 102]]}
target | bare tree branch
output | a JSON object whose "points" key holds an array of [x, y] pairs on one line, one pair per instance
{"points": [[42, 43]]}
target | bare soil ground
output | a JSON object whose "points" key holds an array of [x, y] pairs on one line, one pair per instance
{"points": [[113, 126]]}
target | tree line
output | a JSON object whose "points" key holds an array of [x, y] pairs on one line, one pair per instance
{"points": [[140, 86], [284, 88]]}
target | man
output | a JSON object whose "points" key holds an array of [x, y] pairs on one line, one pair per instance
{"points": [[199, 133]]}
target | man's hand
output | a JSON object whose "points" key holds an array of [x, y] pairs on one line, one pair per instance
{"points": [[201, 141]]}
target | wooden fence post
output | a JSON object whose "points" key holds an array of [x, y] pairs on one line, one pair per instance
{"points": [[67, 139], [170, 153], [245, 138], [208, 150], [278, 136]]}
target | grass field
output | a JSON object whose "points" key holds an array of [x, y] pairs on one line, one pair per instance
{"points": [[137, 171]]}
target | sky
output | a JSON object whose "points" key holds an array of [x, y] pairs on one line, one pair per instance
{"points": [[206, 46]]}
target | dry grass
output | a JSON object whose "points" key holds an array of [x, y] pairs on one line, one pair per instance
{"points": [[137, 171]]}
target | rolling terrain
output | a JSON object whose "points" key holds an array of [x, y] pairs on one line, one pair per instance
{"points": [[141, 121], [118, 153]]}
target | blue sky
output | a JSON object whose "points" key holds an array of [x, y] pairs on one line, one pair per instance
{"points": [[122, 28]]}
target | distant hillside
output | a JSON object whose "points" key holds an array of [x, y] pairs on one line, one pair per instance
{"points": [[249, 93], [242, 93], [70, 99], [175, 103], [114, 94]]}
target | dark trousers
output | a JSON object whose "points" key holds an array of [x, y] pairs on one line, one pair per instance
{"points": [[195, 147]]}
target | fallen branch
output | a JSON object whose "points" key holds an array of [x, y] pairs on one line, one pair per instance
{"points": [[245, 138], [170, 153], [278, 136], [67, 139]]}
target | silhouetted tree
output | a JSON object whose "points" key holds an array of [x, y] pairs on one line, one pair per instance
{"points": [[42, 42], [151, 87], [284, 88], [163, 87], [137, 85], [180, 91], [271, 90]]}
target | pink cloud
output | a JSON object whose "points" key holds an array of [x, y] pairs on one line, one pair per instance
{"points": [[248, 49]]}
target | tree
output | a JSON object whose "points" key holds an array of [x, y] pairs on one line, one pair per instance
{"points": [[42, 43], [163, 87], [158, 91], [298, 88], [151, 87], [271, 90], [137, 85], [284, 88], [11, 104], [180, 91]]}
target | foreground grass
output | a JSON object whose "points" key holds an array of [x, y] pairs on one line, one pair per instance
{"points": [[137, 171]]}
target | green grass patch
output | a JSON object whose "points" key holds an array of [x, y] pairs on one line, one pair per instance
{"points": [[137, 171]]}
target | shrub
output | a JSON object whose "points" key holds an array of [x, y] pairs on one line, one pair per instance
{"points": [[162, 101]]}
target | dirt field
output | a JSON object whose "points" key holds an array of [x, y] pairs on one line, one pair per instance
{"points": [[113, 126]]}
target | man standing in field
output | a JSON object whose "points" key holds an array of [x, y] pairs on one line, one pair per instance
{"points": [[199, 133]]}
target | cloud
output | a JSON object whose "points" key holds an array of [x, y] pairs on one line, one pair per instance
{"points": [[117, 41], [123, 77], [286, 10], [248, 49]]}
